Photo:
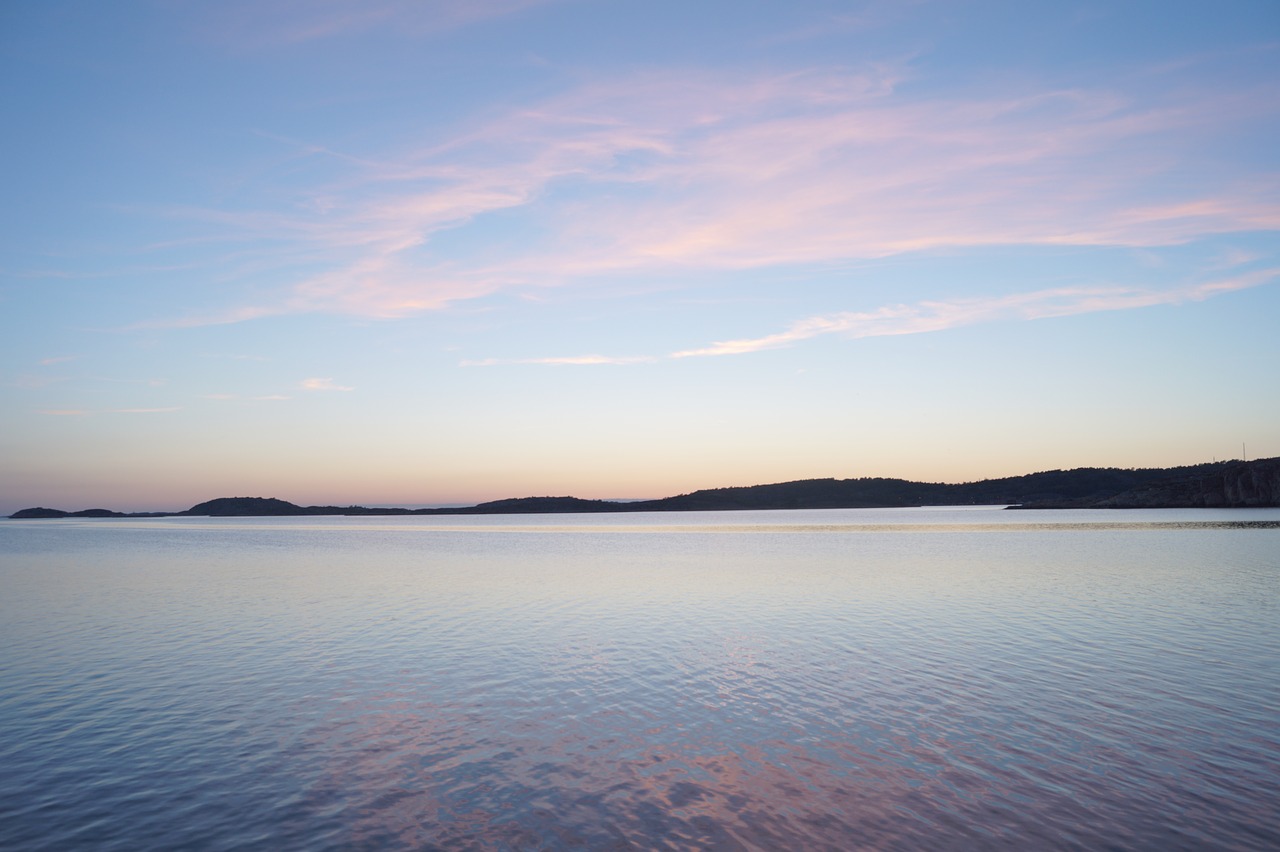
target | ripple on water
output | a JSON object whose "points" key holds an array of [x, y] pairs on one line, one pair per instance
{"points": [[315, 688]]}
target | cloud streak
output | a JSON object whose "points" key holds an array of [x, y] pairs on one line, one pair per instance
{"points": [[931, 316], [940, 315]]}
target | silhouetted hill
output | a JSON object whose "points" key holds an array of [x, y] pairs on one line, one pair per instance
{"points": [[41, 512], [541, 505], [1083, 485], [228, 507], [800, 494], [1217, 484], [38, 512]]}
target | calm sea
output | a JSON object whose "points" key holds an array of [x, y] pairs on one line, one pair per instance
{"points": [[844, 679]]}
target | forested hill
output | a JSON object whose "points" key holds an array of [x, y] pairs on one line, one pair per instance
{"points": [[1211, 484], [1217, 484]]}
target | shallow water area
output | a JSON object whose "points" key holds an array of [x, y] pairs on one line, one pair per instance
{"points": [[896, 679]]}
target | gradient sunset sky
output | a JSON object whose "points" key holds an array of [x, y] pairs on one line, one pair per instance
{"points": [[406, 253]]}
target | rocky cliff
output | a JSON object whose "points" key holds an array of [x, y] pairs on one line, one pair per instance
{"points": [[1236, 485]]}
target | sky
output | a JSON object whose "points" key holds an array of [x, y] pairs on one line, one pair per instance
{"points": [[415, 253]]}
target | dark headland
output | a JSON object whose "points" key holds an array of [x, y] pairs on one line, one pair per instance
{"points": [[1228, 484]]}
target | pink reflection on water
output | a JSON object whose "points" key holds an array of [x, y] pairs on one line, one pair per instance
{"points": [[416, 773]]}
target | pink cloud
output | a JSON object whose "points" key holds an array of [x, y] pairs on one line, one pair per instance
{"points": [[697, 172]]}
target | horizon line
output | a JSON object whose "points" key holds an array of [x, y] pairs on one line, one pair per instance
{"points": [[445, 506]]}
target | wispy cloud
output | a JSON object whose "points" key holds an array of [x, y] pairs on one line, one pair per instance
{"points": [[664, 172], [323, 385], [940, 315], [57, 359], [144, 410]]}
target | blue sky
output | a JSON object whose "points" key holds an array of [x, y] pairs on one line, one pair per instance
{"points": [[427, 252]]}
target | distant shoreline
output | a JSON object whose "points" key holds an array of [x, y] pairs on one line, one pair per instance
{"points": [[1227, 485]]}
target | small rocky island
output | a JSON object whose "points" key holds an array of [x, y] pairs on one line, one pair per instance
{"points": [[1229, 484]]}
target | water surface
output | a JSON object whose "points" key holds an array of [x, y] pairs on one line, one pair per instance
{"points": [[894, 679]]}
